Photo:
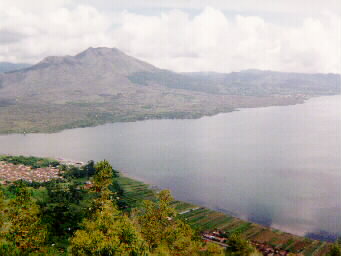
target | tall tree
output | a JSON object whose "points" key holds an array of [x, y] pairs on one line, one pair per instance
{"points": [[238, 246], [24, 230], [62, 211], [162, 231], [106, 232]]}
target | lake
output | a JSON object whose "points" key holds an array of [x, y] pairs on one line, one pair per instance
{"points": [[279, 166]]}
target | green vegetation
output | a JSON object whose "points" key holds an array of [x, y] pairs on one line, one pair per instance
{"points": [[24, 232], [335, 250], [66, 217], [239, 246], [34, 162], [93, 210]]}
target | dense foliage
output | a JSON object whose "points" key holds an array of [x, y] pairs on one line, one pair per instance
{"points": [[335, 250]]}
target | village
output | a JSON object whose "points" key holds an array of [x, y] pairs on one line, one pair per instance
{"points": [[10, 172]]}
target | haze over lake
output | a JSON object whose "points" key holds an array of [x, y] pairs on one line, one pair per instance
{"points": [[278, 166]]}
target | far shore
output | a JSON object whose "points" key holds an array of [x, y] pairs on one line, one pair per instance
{"points": [[184, 116]]}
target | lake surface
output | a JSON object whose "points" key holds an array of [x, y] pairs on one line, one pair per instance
{"points": [[279, 166]]}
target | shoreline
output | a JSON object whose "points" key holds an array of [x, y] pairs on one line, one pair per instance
{"points": [[186, 116]]}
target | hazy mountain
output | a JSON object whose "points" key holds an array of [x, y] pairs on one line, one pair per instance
{"points": [[105, 85], [248, 82], [8, 67], [92, 72]]}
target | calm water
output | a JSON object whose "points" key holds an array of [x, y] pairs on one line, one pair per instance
{"points": [[279, 166]]}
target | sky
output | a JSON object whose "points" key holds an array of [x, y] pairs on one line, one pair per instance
{"points": [[180, 35]]}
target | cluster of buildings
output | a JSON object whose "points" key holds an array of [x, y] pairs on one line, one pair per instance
{"points": [[67, 162], [216, 236], [268, 250], [11, 172], [220, 237]]}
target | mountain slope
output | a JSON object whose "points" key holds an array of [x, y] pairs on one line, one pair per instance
{"points": [[94, 71], [105, 85]]}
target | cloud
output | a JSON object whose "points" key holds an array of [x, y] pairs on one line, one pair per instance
{"points": [[306, 8], [173, 39], [59, 31], [210, 41]]}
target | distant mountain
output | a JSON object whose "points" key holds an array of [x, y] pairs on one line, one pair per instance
{"points": [[105, 85], [248, 82], [95, 60], [7, 66], [96, 70]]}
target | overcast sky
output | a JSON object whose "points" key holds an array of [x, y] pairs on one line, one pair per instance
{"points": [[181, 35]]}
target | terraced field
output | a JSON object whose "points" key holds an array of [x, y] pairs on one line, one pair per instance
{"points": [[135, 191], [203, 219]]}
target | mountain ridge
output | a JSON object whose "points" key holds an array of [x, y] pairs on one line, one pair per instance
{"points": [[87, 57], [102, 85]]}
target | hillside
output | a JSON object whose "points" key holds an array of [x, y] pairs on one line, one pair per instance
{"points": [[103, 85]]}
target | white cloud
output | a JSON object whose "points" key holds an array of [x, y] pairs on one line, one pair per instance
{"points": [[56, 32], [301, 7], [207, 41], [212, 42]]}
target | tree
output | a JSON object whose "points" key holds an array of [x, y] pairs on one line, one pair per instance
{"points": [[106, 232], [162, 231], [237, 246], [24, 230], [62, 211], [2, 209], [103, 177], [154, 218], [335, 250], [214, 249], [89, 168]]}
